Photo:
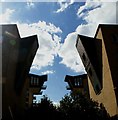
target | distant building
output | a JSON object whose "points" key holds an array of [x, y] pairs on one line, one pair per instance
{"points": [[100, 58], [78, 84], [17, 57], [33, 86]]}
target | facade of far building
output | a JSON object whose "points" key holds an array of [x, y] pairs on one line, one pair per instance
{"points": [[18, 86], [78, 84], [33, 86], [100, 58]]}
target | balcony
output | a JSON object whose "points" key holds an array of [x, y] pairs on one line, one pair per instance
{"points": [[44, 87], [38, 93], [68, 88], [34, 97]]}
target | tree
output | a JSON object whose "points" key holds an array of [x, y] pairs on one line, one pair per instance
{"points": [[78, 106], [43, 110], [71, 107]]}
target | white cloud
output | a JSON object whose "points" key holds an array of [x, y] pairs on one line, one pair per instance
{"points": [[49, 42], [50, 46], [64, 4], [30, 4], [70, 55], [48, 72], [5, 17], [47, 33], [56, 104], [94, 13], [87, 29], [88, 5], [102, 14], [40, 27], [47, 27]]}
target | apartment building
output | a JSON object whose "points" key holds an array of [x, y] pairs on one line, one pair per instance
{"points": [[100, 56], [17, 57], [34, 84], [78, 84]]}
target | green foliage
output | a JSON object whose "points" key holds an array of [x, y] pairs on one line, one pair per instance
{"points": [[78, 106], [46, 103], [71, 107]]}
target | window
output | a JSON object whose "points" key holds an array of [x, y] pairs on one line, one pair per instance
{"points": [[32, 80], [80, 81], [84, 57], [76, 82], [37, 81]]}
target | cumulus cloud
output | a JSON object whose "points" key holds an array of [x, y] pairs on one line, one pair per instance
{"points": [[64, 4], [48, 72], [88, 5], [94, 13], [47, 33], [48, 27], [49, 41], [69, 54], [87, 29], [5, 17], [40, 26]]}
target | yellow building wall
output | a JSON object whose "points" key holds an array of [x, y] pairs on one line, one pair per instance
{"points": [[107, 95], [28, 92]]}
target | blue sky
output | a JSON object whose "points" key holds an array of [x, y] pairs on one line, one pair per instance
{"points": [[57, 25]]}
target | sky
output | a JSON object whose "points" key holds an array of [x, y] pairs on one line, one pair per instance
{"points": [[57, 25]]}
